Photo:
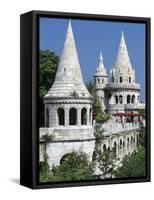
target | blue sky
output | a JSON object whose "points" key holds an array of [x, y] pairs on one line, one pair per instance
{"points": [[91, 37]]}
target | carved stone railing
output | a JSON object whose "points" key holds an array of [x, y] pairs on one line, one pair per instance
{"points": [[126, 106], [135, 106], [123, 85]]}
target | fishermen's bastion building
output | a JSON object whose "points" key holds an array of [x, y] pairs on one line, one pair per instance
{"points": [[68, 107]]}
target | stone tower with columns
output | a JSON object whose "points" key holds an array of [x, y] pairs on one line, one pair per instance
{"points": [[100, 82], [124, 91], [68, 107]]}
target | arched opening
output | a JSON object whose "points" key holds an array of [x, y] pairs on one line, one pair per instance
{"points": [[120, 79], [128, 99], [61, 116], [90, 117], [73, 116], [129, 79], [116, 99], [123, 144], [108, 149], [47, 117], [133, 99], [98, 81], [104, 148], [102, 80], [94, 156], [120, 99], [112, 79], [137, 141], [114, 148], [120, 144], [66, 157], [84, 116], [131, 139]]}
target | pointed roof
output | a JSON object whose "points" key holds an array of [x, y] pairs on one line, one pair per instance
{"points": [[101, 71], [68, 77], [122, 59]]}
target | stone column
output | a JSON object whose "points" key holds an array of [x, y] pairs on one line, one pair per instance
{"points": [[79, 116], [87, 116], [124, 99], [66, 116]]}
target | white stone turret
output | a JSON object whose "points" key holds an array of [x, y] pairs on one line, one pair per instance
{"points": [[100, 81], [68, 81], [122, 71], [68, 108], [122, 88]]}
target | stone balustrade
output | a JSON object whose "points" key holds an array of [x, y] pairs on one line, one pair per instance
{"points": [[135, 106], [123, 86]]}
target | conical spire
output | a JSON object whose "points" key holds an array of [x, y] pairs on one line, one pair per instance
{"points": [[122, 59], [101, 69], [68, 77], [69, 61]]}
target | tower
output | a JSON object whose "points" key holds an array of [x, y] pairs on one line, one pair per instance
{"points": [[100, 81], [68, 107], [124, 91]]}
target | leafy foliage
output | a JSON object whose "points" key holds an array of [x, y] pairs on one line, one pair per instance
{"points": [[107, 164], [100, 116], [74, 166], [133, 165], [48, 66], [44, 170], [142, 137]]}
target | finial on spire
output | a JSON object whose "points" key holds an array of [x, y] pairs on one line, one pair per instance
{"points": [[101, 57], [122, 33]]}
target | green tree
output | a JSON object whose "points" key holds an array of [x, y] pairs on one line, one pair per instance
{"points": [[44, 170], [133, 165], [74, 166], [47, 69], [100, 116], [142, 137], [107, 163]]}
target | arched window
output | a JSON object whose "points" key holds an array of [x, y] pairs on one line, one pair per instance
{"points": [[102, 80], [116, 99], [108, 149], [98, 80], [115, 146], [137, 141], [61, 116], [73, 116], [104, 148], [128, 99], [120, 99], [131, 139], [84, 116], [120, 144], [127, 141], [112, 79], [123, 144], [90, 122], [129, 79], [133, 99], [47, 117], [120, 79]]}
